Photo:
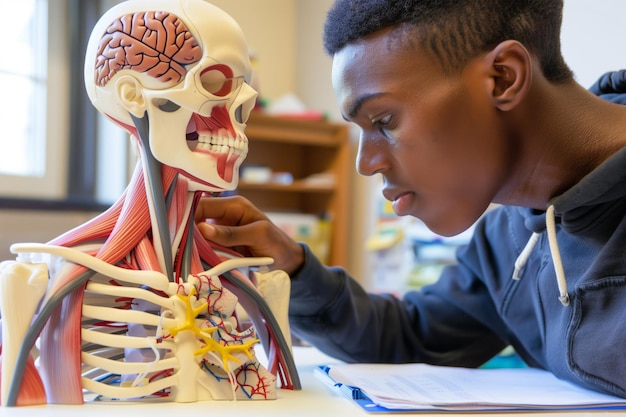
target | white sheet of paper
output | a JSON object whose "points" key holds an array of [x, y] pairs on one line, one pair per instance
{"points": [[411, 386]]}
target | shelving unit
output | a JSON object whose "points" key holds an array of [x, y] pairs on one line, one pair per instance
{"points": [[316, 154]]}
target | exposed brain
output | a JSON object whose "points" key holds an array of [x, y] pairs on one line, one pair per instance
{"points": [[156, 43]]}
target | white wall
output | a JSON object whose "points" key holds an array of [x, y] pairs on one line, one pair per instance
{"points": [[594, 37], [270, 29]]}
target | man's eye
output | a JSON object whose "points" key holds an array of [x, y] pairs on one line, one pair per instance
{"points": [[387, 127], [383, 122]]}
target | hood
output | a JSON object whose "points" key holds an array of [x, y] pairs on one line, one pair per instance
{"points": [[600, 187], [598, 196], [596, 193], [611, 87], [594, 196]]}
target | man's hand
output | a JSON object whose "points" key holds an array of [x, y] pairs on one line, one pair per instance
{"points": [[234, 222]]}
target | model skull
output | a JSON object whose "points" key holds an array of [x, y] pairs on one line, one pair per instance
{"points": [[185, 66]]}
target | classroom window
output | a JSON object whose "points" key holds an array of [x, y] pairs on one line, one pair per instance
{"points": [[53, 145], [31, 137]]}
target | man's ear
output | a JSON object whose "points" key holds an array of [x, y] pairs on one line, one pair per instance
{"points": [[511, 72], [130, 95]]}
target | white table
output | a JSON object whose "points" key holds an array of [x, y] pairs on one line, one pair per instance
{"points": [[316, 399]]}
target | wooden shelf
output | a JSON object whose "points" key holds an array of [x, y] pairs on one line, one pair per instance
{"points": [[293, 130], [296, 186], [304, 149]]}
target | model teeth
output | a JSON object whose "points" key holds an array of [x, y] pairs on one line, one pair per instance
{"points": [[222, 144]]}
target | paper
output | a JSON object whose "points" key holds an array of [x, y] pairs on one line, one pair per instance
{"points": [[426, 387]]}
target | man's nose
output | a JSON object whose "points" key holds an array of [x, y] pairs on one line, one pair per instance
{"points": [[372, 155]]}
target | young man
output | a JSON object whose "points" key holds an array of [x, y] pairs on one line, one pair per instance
{"points": [[461, 104]]}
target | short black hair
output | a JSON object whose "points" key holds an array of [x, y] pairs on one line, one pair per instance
{"points": [[455, 30]]}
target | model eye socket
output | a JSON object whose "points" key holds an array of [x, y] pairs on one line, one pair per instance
{"points": [[216, 83]]}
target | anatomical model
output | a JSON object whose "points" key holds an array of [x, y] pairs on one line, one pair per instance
{"points": [[135, 304]]}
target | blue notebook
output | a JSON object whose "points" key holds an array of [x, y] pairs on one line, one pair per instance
{"points": [[352, 393]]}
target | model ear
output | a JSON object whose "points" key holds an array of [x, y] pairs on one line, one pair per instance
{"points": [[511, 74], [130, 95]]}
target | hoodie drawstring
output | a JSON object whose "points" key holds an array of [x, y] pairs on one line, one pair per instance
{"points": [[556, 256], [523, 257], [554, 252]]}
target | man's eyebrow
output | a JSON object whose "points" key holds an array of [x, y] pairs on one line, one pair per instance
{"points": [[354, 109]]}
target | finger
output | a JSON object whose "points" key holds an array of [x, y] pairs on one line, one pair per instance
{"points": [[207, 230], [214, 208], [230, 236], [234, 210], [210, 234]]}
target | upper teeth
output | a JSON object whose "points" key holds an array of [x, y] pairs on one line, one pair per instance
{"points": [[222, 144]]}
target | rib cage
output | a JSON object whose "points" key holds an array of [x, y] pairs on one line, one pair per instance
{"points": [[126, 350], [140, 336], [106, 341]]}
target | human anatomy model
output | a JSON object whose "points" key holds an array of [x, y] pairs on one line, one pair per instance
{"points": [[135, 304]]}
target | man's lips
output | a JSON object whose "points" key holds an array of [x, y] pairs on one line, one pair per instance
{"points": [[400, 201], [393, 195]]}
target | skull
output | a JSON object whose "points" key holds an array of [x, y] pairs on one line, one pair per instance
{"points": [[185, 66]]}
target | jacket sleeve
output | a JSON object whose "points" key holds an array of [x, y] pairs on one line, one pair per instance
{"points": [[448, 323]]}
